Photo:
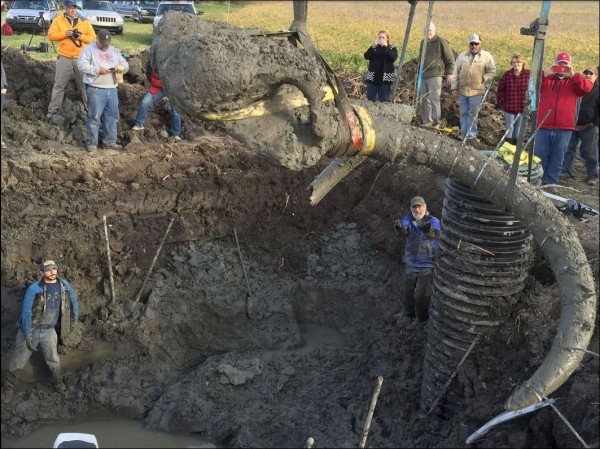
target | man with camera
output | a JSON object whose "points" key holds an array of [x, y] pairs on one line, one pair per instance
{"points": [[72, 34], [422, 232]]}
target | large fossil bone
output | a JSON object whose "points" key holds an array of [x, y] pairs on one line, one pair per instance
{"points": [[215, 71]]}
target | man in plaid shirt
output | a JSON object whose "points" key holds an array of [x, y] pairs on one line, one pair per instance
{"points": [[511, 94]]}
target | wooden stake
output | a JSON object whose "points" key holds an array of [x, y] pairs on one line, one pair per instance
{"points": [[110, 272], [242, 261], [137, 298], [363, 441]]}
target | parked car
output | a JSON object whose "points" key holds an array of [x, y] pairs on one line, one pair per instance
{"points": [[102, 14], [125, 7], [145, 10], [182, 6], [26, 15]]}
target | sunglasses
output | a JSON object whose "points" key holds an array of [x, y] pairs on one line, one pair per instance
{"points": [[587, 72]]}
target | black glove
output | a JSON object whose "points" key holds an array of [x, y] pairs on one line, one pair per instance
{"points": [[425, 224], [400, 227], [29, 343]]}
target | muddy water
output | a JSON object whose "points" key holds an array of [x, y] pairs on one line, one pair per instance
{"points": [[109, 433], [119, 433]]}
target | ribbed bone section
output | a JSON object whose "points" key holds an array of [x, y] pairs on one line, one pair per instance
{"points": [[485, 255]]}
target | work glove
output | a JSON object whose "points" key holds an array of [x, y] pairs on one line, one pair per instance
{"points": [[120, 68], [400, 227], [29, 343], [425, 224]]}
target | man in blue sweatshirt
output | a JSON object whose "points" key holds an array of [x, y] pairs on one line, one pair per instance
{"points": [[422, 232]]}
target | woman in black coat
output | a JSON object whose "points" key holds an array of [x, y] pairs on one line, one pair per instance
{"points": [[380, 76]]}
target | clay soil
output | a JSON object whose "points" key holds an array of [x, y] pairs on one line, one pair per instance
{"points": [[268, 343]]}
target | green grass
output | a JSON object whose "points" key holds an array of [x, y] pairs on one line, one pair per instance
{"points": [[136, 37], [342, 30]]}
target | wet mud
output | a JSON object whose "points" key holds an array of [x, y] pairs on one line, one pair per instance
{"points": [[291, 353]]}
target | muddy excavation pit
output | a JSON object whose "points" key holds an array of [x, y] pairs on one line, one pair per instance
{"points": [[267, 343]]}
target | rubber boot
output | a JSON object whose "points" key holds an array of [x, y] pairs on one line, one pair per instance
{"points": [[9, 385], [57, 382]]}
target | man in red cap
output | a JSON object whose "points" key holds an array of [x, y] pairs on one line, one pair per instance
{"points": [[559, 91]]}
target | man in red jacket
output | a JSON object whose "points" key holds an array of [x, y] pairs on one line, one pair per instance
{"points": [[559, 92]]}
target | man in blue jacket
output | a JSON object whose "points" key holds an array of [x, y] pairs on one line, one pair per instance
{"points": [[422, 231], [47, 307]]}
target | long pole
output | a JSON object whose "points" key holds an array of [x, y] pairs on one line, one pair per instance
{"points": [[411, 14], [449, 381], [110, 272], [237, 242], [423, 50], [137, 298], [363, 440]]}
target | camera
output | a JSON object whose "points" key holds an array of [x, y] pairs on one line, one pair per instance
{"points": [[76, 34]]}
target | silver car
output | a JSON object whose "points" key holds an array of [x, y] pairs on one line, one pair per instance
{"points": [[185, 7], [102, 14], [27, 15]]}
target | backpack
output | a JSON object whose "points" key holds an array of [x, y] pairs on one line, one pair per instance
{"points": [[7, 30]]}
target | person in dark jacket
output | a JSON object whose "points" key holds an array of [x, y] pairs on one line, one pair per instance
{"points": [[511, 95], [559, 91], [154, 94], [438, 64], [4, 89], [380, 75], [586, 132], [47, 306], [422, 232]]}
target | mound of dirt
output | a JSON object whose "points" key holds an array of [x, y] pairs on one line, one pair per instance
{"points": [[265, 342]]}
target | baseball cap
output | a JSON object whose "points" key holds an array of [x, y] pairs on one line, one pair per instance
{"points": [[417, 200], [69, 3], [103, 36], [474, 38], [594, 70], [563, 57], [47, 265]]}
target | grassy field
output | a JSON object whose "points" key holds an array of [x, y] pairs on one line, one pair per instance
{"points": [[135, 38], [342, 30]]}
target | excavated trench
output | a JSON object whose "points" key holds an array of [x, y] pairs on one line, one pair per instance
{"points": [[292, 353]]}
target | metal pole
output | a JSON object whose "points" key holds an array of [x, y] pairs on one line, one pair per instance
{"points": [[137, 298], [363, 441], [423, 49], [411, 14], [110, 272]]}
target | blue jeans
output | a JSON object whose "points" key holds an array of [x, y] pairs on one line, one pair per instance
{"points": [[147, 103], [550, 146], [513, 128], [46, 340], [382, 92], [2, 112], [103, 107], [588, 149], [469, 107]]}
